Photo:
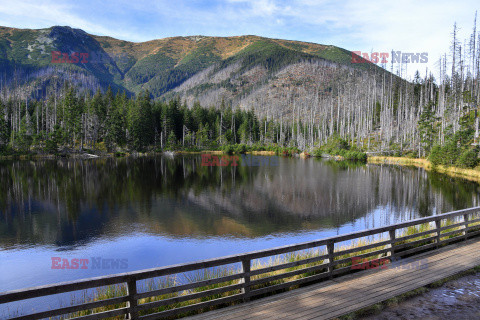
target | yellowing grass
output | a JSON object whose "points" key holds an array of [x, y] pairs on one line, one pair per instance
{"points": [[469, 174]]}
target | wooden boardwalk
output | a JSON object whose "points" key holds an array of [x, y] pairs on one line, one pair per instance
{"points": [[449, 242], [346, 294]]}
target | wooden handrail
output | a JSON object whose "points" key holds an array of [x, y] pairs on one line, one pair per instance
{"points": [[321, 269]]}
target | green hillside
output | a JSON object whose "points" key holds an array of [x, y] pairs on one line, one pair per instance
{"points": [[160, 66]]}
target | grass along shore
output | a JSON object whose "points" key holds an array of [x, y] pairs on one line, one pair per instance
{"points": [[469, 174], [265, 150]]}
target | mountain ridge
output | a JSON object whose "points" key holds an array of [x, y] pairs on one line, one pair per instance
{"points": [[199, 68]]}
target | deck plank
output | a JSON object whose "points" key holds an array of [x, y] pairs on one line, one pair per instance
{"points": [[337, 297]]}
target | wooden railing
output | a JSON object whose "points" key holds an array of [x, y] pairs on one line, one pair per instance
{"points": [[332, 259]]}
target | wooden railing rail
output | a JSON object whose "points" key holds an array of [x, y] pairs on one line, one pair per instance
{"points": [[330, 259]]}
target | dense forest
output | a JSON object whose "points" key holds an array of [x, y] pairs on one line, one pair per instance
{"points": [[364, 109], [116, 123]]}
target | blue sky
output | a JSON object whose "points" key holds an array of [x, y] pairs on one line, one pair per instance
{"points": [[408, 26]]}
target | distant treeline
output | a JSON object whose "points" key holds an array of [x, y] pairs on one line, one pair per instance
{"points": [[109, 122]]}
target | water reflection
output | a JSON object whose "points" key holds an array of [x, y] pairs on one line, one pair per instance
{"points": [[160, 211], [70, 202]]}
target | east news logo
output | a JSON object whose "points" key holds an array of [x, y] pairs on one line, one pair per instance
{"points": [[384, 263], [92, 263], [64, 57], [382, 57]]}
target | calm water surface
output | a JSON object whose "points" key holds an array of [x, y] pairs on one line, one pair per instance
{"points": [[151, 212]]}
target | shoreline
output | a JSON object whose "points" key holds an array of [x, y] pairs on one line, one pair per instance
{"points": [[34, 156], [455, 172]]}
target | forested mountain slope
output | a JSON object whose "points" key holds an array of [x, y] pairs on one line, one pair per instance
{"points": [[300, 93], [196, 67]]}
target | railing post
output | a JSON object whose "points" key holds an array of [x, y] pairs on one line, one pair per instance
{"points": [[132, 301], [246, 279], [392, 245], [465, 219], [438, 224], [331, 256]]}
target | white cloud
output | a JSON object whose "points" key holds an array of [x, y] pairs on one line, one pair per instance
{"points": [[44, 14], [408, 26], [259, 7]]}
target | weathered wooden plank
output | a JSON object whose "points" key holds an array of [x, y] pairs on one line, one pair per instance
{"points": [[193, 307], [414, 243], [72, 309], [346, 281], [364, 301], [191, 296], [287, 265], [246, 268], [416, 235], [228, 311], [331, 255], [363, 255], [466, 218], [186, 267], [289, 284], [366, 247], [473, 233], [343, 296], [356, 289], [103, 315], [374, 277], [290, 304], [417, 249], [393, 235], [288, 274], [457, 233], [63, 287], [438, 223], [460, 224], [188, 286], [132, 301], [457, 238], [471, 221]]}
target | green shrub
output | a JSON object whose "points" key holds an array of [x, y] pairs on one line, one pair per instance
{"points": [[235, 148], [354, 155], [317, 152], [6, 150], [450, 153], [51, 146], [411, 154], [446, 155], [335, 143], [241, 148], [435, 156], [228, 149], [288, 151], [467, 159], [348, 154]]}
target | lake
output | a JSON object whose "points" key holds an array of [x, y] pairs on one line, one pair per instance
{"points": [[125, 214]]}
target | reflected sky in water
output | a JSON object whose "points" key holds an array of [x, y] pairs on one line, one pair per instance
{"points": [[160, 211]]}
